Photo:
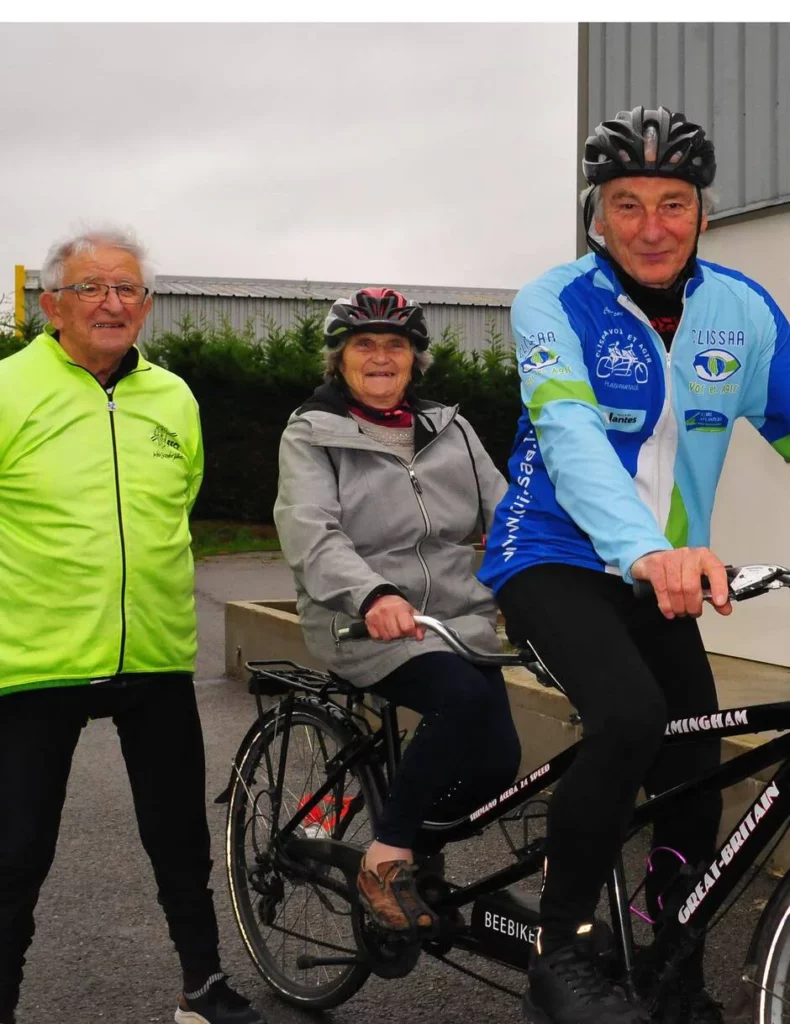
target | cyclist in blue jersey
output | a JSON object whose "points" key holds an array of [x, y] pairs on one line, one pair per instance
{"points": [[635, 362]]}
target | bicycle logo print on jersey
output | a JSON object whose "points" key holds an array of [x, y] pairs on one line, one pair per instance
{"points": [[713, 365], [622, 360]]}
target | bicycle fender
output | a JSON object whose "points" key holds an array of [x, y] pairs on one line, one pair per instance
{"points": [[257, 726]]}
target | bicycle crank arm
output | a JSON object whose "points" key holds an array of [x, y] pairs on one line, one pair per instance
{"points": [[330, 852], [304, 963]]}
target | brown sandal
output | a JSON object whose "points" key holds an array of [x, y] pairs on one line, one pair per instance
{"points": [[390, 896]]}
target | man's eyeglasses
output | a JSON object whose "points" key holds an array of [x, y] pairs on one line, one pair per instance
{"points": [[92, 291]]}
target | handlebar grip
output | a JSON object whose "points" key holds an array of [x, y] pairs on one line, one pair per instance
{"points": [[643, 589], [356, 631]]}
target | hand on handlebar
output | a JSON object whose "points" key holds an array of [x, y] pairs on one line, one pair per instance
{"points": [[392, 618], [676, 579]]}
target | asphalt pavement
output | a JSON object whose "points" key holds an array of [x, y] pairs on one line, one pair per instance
{"points": [[102, 953]]}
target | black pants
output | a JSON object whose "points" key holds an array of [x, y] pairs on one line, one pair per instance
{"points": [[627, 670], [162, 743], [464, 751]]}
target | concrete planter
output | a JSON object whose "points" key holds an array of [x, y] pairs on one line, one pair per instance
{"points": [[257, 630]]}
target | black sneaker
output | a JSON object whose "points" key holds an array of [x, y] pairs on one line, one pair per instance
{"points": [[219, 1005], [565, 987], [682, 1005]]}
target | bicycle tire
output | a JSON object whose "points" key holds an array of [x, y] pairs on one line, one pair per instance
{"points": [[316, 734], [768, 960]]}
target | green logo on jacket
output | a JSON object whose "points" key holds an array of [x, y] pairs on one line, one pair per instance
{"points": [[165, 444]]}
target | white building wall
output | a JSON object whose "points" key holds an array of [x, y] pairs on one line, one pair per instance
{"points": [[751, 521]]}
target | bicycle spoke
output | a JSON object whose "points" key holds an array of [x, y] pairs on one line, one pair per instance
{"points": [[762, 988], [310, 915], [326, 945]]}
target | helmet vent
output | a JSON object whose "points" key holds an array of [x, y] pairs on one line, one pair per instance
{"points": [[649, 143]]}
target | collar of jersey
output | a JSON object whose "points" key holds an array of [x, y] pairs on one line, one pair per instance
{"points": [[605, 267]]}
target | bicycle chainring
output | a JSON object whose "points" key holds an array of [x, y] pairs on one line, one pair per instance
{"points": [[387, 955]]}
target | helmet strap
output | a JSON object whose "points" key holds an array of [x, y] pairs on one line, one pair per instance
{"points": [[589, 213], [699, 222]]}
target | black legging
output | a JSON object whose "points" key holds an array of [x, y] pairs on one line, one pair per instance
{"points": [[626, 669], [464, 751]]}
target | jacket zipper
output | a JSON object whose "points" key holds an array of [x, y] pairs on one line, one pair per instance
{"points": [[418, 549], [111, 407], [418, 495], [426, 518], [666, 361]]}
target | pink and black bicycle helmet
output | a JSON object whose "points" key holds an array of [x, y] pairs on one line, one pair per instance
{"points": [[381, 310]]}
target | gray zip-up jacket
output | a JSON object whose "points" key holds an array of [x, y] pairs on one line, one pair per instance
{"points": [[353, 517]]}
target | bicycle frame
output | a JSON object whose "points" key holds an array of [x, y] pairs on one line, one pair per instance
{"points": [[694, 908], [754, 831]]}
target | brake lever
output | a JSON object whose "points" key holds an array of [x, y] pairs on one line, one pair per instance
{"points": [[753, 580]]}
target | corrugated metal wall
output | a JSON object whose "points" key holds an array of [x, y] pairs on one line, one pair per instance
{"points": [[474, 322], [734, 79]]}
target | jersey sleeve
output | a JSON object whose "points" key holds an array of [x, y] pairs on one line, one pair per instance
{"points": [[590, 481], [196, 458], [767, 400]]}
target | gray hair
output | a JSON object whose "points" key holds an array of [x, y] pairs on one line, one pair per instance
{"points": [[708, 203], [333, 359], [88, 240]]}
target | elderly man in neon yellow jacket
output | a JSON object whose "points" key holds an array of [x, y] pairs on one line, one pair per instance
{"points": [[100, 463]]}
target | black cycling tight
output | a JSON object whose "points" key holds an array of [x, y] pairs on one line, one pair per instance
{"points": [[464, 751], [626, 669]]}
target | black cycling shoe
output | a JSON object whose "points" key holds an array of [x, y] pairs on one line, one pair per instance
{"points": [[566, 987], [686, 1006]]}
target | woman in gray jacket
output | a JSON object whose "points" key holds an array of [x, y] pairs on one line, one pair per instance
{"points": [[379, 492]]}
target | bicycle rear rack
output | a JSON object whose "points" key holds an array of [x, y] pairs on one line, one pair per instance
{"points": [[275, 678]]}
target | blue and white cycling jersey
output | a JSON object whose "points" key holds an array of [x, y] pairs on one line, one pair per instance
{"points": [[620, 445]]}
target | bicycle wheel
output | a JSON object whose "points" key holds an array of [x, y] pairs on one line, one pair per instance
{"points": [[768, 967], [280, 915]]}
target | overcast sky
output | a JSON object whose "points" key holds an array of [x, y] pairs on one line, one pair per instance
{"points": [[410, 153]]}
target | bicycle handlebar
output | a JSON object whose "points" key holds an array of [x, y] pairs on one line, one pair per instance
{"points": [[643, 589], [745, 581], [359, 631]]}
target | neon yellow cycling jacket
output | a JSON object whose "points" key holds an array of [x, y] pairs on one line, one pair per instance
{"points": [[96, 571]]}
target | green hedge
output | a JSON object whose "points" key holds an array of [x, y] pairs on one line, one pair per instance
{"points": [[10, 340], [248, 382]]}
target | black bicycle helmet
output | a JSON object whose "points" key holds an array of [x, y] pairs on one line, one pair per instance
{"points": [[649, 143], [382, 310]]}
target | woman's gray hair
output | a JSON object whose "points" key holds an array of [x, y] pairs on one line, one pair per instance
{"points": [[88, 240], [333, 359], [708, 203]]}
